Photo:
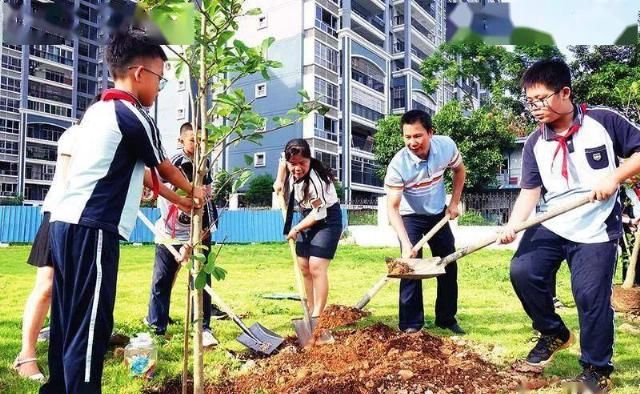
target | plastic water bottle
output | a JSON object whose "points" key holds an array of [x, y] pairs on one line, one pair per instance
{"points": [[141, 356]]}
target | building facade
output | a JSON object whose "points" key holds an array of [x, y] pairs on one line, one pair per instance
{"points": [[44, 89], [361, 58]]}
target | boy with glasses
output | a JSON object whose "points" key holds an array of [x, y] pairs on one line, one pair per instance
{"points": [[98, 208], [574, 152]]}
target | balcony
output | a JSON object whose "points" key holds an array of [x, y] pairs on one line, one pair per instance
{"points": [[420, 54], [51, 56], [363, 171], [365, 112], [428, 6], [325, 27], [431, 38], [362, 143], [326, 134], [367, 80], [398, 20], [375, 20], [398, 47]]}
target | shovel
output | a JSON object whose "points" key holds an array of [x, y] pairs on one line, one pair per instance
{"points": [[303, 327], [279, 296], [257, 337], [429, 268], [383, 280]]}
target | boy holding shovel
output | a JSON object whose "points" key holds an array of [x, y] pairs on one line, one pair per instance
{"points": [[98, 208], [416, 195], [574, 152]]}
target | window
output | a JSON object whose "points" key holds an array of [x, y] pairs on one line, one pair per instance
{"points": [[10, 84], [7, 189], [9, 147], [326, 57], [9, 126], [326, 92], [87, 68], [262, 21], [49, 108], [8, 168], [87, 50], [329, 161], [181, 114], [9, 105], [261, 90], [11, 63], [326, 21], [41, 152], [44, 131], [326, 128], [367, 74], [86, 86], [48, 92], [259, 159], [182, 85]]}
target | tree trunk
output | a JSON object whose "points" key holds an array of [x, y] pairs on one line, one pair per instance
{"points": [[200, 130], [631, 269]]}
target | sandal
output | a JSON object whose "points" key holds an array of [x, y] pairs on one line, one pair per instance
{"points": [[39, 377]]}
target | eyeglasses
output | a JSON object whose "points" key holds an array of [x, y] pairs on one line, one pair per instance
{"points": [[162, 81], [538, 104]]}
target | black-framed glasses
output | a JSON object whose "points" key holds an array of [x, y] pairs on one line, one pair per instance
{"points": [[162, 81], [540, 103]]}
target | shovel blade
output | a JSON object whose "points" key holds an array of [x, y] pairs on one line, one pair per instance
{"points": [[306, 336], [267, 340], [303, 332], [421, 268]]}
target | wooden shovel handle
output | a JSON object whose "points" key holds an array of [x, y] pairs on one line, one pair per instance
{"points": [[296, 269], [550, 214], [431, 233]]}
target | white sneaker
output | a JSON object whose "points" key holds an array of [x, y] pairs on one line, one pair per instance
{"points": [[43, 336], [208, 339]]}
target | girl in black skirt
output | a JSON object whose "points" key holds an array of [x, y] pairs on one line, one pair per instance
{"points": [[309, 188]]}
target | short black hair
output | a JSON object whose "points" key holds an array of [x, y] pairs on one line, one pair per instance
{"points": [[186, 126], [552, 73], [124, 47], [417, 115]]}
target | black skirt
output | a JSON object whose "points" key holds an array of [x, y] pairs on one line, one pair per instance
{"points": [[321, 240], [40, 255]]}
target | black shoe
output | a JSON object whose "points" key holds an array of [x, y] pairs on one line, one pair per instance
{"points": [[547, 345], [592, 380], [217, 314], [455, 328], [170, 321]]}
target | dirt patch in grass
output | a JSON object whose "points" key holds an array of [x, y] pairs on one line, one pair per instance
{"points": [[376, 359]]}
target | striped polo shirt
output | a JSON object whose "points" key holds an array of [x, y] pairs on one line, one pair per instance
{"points": [[593, 151], [175, 226], [421, 182], [105, 176]]}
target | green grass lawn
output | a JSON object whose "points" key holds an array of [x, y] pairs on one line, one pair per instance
{"points": [[488, 309]]}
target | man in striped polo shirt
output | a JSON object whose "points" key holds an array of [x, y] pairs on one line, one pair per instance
{"points": [[574, 152], [416, 202], [99, 207]]}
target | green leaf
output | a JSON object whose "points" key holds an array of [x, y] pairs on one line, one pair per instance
{"points": [[181, 193], [208, 268], [303, 93], [248, 160], [200, 257], [219, 273], [254, 11], [201, 280], [201, 247]]}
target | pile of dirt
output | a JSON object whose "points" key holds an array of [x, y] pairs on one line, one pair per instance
{"points": [[396, 267], [626, 300], [376, 359], [335, 316]]}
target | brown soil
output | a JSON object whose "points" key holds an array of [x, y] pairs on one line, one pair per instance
{"points": [[626, 300], [335, 316], [398, 267], [376, 359]]}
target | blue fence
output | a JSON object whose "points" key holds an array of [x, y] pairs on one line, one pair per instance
{"points": [[20, 224]]}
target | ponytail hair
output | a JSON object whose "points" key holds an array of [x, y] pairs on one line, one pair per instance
{"points": [[299, 146]]}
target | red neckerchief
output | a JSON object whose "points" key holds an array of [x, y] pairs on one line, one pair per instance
{"points": [[117, 94], [562, 144]]}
